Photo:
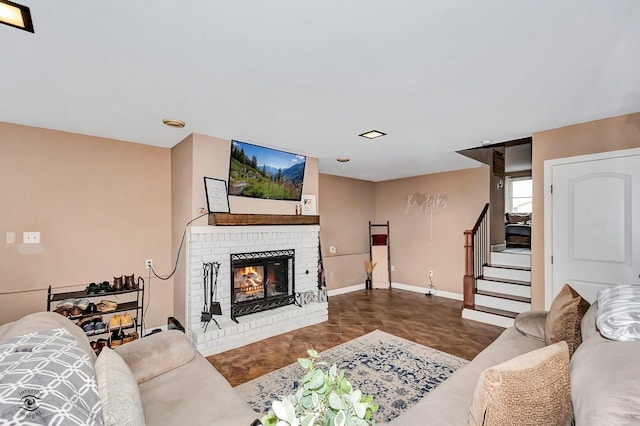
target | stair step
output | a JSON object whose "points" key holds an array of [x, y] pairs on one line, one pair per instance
{"points": [[498, 280], [511, 259], [504, 296], [506, 273], [495, 311], [517, 268], [504, 287], [487, 317], [502, 303]]}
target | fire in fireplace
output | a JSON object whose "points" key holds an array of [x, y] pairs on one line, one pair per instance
{"points": [[261, 281]]}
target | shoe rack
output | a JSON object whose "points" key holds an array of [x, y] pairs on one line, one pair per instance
{"points": [[128, 301]]}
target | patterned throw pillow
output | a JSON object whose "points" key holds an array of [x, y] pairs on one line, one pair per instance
{"points": [[47, 378], [531, 389], [564, 319]]}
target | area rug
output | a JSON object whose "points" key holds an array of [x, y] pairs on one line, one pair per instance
{"points": [[397, 372]]}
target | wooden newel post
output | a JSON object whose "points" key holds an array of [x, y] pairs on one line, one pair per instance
{"points": [[469, 278]]}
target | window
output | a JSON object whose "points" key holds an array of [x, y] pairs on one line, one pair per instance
{"points": [[519, 195]]}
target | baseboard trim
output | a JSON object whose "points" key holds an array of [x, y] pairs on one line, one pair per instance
{"points": [[423, 290], [344, 290], [399, 286]]}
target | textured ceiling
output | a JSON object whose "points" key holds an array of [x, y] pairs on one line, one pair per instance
{"points": [[309, 76]]}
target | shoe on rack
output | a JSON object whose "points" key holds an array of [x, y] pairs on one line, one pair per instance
{"points": [[130, 337], [89, 328], [126, 321], [91, 309], [104, 287], [75, 311], [82, 303], [106, 306], [115, 323], [62, 311], [100, 328], [92, 289], [66, 303], [83, 321]]}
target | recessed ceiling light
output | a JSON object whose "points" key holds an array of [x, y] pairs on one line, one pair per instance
{"points": [[372, 134], [487, 142], [179, 124], [343, 159], [15, 15]]}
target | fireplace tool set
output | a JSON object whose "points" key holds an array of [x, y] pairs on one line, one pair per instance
{"points": [[210, 287]]}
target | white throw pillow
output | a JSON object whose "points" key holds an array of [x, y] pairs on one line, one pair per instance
{"points": [[121, 404]]}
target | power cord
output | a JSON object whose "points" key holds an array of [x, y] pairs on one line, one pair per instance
{"points": [[431, 290], [175, 266]]}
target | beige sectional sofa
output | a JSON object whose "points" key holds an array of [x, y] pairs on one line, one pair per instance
{"points": [[604, 377], [177, 385]]}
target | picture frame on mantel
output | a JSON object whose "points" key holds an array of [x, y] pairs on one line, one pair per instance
{"points": [[217, 197], [309, 207]]}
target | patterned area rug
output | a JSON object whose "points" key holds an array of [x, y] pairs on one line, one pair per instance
{"points": [[397, 372]]}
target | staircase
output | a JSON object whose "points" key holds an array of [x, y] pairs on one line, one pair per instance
{"points": [[503, 290]]}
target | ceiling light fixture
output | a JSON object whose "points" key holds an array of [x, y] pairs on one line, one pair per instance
{"points": [[343, 159], [487, 142], [372, 134], [171, 122], [15, 15]]}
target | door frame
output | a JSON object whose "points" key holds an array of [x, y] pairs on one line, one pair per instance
{"points": [[548, 207]]}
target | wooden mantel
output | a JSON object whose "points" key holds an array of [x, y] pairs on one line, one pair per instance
{"points": [[235, 219]]}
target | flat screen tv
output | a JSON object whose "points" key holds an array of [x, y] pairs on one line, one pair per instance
{"points": [[259, 172]]}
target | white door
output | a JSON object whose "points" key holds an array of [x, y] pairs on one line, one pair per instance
{"points": [[595, 224]]}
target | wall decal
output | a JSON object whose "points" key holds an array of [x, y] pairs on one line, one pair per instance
{"points": [[421, 201]]}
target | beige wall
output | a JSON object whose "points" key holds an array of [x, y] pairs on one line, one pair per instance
{"points": [[347, 207], [467, 191], [611, 134], [181, 212], [102, 207]]}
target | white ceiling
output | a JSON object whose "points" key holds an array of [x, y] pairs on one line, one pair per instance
{"points": [[309, 76]]}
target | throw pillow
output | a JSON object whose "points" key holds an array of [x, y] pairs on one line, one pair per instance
{"points": [[565, 318], [121, 403], [531, 389], [46, 377]]}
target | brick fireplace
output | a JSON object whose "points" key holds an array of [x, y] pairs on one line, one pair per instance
{"points": [[267, 283]]}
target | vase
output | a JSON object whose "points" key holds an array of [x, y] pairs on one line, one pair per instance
{"points": [[368, 285]]}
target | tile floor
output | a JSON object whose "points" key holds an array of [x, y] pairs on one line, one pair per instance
{"points": [[429, 320]]}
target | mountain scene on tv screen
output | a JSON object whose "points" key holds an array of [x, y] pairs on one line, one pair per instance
{"points": [[260, 172]]}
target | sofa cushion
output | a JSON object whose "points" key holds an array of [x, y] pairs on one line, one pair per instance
{"points": [[157, 354], [531, 324], [605, 378], [47, 378], [448, 404], [121, 404], [40, 321], [531, 389], [564, 318], [193, 394]]}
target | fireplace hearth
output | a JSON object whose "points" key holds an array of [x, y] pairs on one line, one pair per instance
{"points": [[261, 281]]}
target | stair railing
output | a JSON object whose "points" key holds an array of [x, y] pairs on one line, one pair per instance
{"points": [[477, 248]]}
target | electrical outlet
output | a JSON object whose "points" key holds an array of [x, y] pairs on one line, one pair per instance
{"points": [[430, 273], [332, 249], [148, 263], [30, 238]]}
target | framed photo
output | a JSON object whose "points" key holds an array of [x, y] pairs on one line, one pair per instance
{"points": [[309, 205], [217, 199]]}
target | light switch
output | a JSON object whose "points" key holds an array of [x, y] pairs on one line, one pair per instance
{"points": [[11, 237]]}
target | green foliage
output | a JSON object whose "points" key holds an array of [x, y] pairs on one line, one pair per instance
{"points": [[259, 184], [324, 399]]}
